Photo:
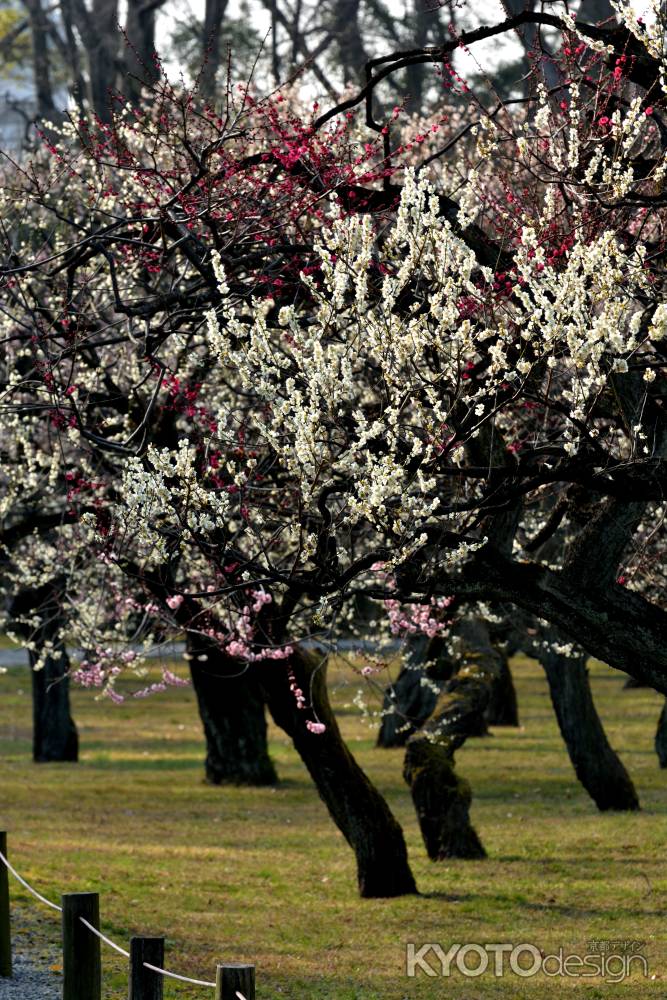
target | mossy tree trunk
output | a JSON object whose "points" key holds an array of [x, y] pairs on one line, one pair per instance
{"points": [[441, 798], [597, 766], [232, 711], [409, 702], [355, 805]]}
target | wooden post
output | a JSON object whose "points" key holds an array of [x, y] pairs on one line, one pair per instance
{"points": [[82, 966], [234, 978], [5, 926], [144, 983]]}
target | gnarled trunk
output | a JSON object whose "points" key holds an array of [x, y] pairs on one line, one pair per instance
{"points": [[597, 766], [355, 805], [441, 798], [231, 707], [410, 701]]}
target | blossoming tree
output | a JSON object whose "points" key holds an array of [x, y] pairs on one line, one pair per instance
{"points": [[398, 369]]}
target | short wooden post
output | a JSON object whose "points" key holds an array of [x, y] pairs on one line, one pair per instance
{"points": [[82, 965], [5, 926], [233, 979], [144, 983]]}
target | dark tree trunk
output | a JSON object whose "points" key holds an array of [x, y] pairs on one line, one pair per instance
{"points": [[351, 52], [77, 83], [231, 707], [597, 766], [661, 737], [98, 30], [140, 63], [54, 736], [41, 64], [503, 709], [214, 14], [355, 805], [410, 701], [441, 798], [421, 14]]}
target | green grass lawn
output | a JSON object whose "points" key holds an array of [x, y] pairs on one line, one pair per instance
{"points": [[262, 875]]}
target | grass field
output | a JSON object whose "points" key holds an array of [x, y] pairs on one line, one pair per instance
{"points": [[263, 875]]}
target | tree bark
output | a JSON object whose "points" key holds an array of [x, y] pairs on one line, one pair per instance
{"points": [[99, 33], [661, 737], [140, 66], [232, 711], [416, 74], [77, 84], [355, 805], [442, 799], [352, 54], [214, 14], [54, 736], [618, 626], [597, 766], [410, 701], [41, 65], [503, 709]]}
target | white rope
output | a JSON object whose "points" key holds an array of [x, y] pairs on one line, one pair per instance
{"points": [[47, 902], [174, 975], [102, 937], [106, 940]]}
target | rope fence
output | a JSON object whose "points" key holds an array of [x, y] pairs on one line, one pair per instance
{"points": [[82, 962]]}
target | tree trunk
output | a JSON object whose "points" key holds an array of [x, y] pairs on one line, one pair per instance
{"points": [[214, 14], [231, 707], [77, 84], [503, 709], [355, 805], [98, 30], [661, 737], [441, 798], [140, 66], [54, 736], [352, 54], [41, 65], [417, 73], [597, 766], [410, 701]]}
